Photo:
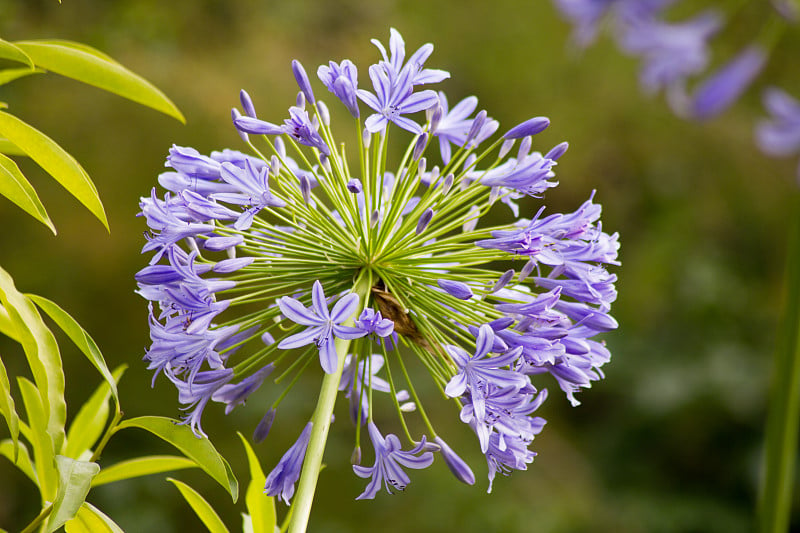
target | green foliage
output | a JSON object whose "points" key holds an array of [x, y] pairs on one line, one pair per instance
{"points": [[74, 481], [261, 516], [82, 63], [199, 450], [201, 507], [90, 519]]}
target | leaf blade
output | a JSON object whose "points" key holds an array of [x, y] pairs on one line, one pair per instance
{"points": [[15, 187], [90, 519], [8, 409], [263, 517], [79, 336], [142, 466], [90, 66], [198, 449], [201, 507], [14, 53], [74, 482], [55, 161], [41, 351], [88, 424]]}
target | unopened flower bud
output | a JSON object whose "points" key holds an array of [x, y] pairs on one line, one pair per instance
{"points": [[424, 220]]}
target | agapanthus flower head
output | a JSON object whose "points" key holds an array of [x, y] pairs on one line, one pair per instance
{"points": [[372, 271]]}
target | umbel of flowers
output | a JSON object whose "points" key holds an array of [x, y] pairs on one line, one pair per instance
{"points": [[302, 256]]}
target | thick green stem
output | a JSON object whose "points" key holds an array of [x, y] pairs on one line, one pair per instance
{"points": [[301, 507], [775, 500]]}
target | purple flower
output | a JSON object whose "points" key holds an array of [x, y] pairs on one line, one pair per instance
{"points": [[357, 378], [372, 322], [252, 190], [323, 325], [302, 80], [395, 65], [196, 394], [585, 15], [671, 52], [529, 127], [280, 482], [457, 466], [235, 394], [780, 135], [389, 460], [459, 289], [394, 98], [724, 86], [454, 125], [342, 81]]}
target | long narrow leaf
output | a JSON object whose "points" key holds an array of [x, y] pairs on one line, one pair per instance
{"points": [[43, 453], [79, 336], [15, 187], [74, 482], [22, 459], [90, 421], [14, 53], [198, 449], [260, 506], [9, 148], [201, 507], [90, 519], [7, 327], [7, 407], [55, 161], [41, 350], [142, 466], [83, 63], [783, 417], [10, 74]]}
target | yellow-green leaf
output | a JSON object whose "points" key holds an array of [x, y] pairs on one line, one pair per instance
{"points": [[14, 53], [43, 453], [79, 336], [142, 466], [8, 75], [41, 350], [22, 459], [7, 327], [90, 519], [16, 188], [261, 507], [9, 148], [198, 449], [83, 63], [201, 507], [7, 407], [55, 161], [74, 482], [91, 419]]}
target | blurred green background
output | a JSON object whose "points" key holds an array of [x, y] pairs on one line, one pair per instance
{"points": [[670, 441]]}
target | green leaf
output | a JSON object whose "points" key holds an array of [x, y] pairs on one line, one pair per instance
{"points": [[142, 466], [79, 336], [7, 407], [43, 454], [201, 507], [41, 350], [261, 507], [90, 421], [7, 327], [198, 449], [16, 188], [74, 482], [10, 74], [90, 519], [55, 161], [83, 63], [14, 53], [9, 148], [22, 460]]}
